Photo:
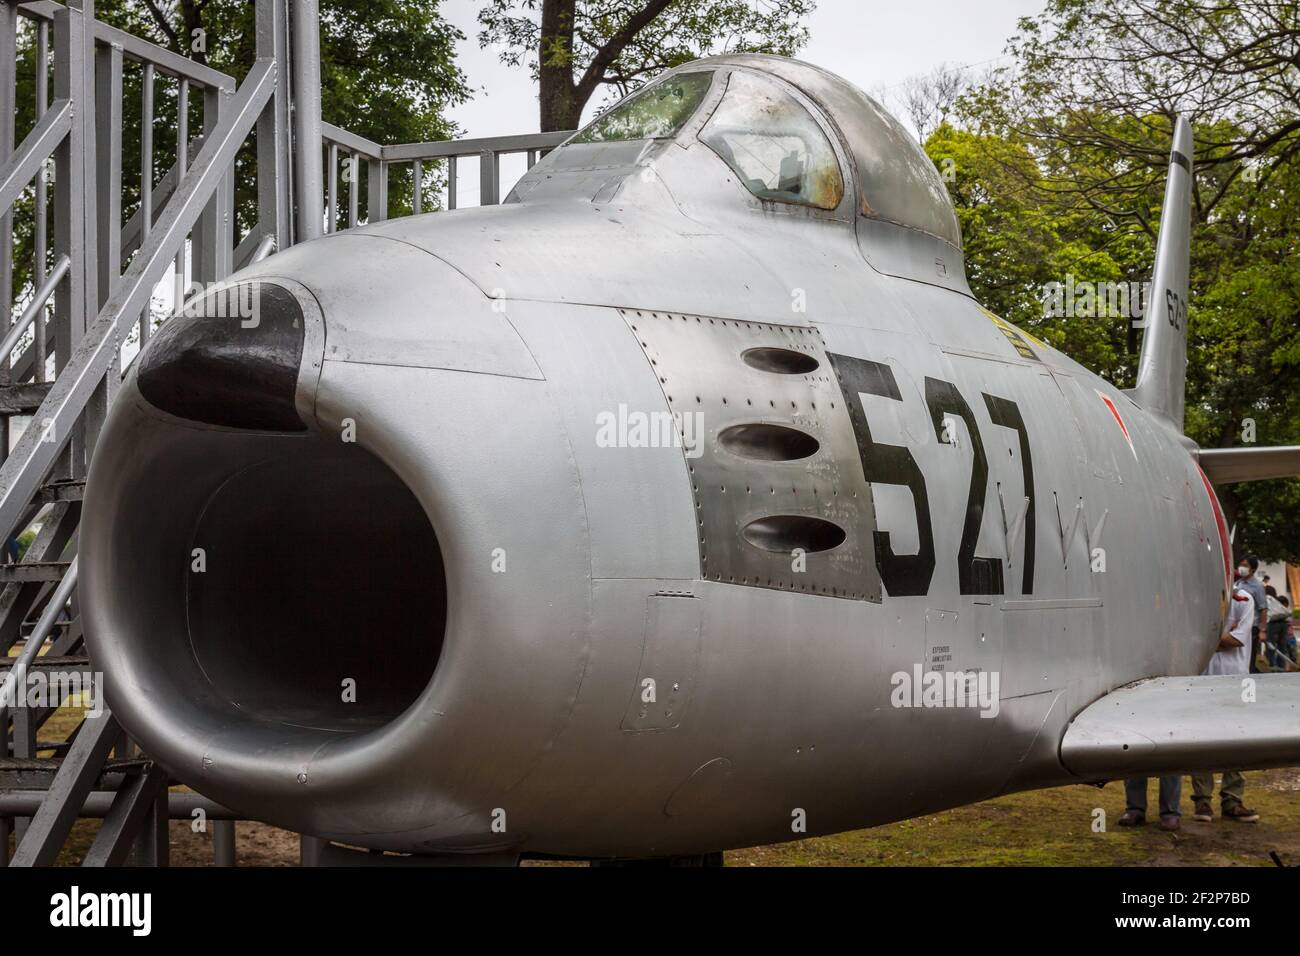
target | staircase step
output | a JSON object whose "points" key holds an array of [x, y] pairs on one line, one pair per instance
{"points": [[22, 399], [67, 490], [36, 773], [48, 662], [33, 571]]}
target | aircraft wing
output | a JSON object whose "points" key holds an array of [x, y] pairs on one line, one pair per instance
{"points": [[1184, 724], [1224, 466]]}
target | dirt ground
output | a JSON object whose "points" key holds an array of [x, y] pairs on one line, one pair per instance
{"points": [[1041, 828]]}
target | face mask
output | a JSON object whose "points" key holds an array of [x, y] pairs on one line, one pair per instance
{"points": [[1244, 571]]}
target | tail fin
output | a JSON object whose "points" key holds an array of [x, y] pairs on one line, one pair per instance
{"points": [[1163, 363]]}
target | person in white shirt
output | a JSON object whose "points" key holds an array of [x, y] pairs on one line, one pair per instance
{"points": [[1232, 657]]}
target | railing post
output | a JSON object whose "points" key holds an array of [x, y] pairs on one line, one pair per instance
{"points": [[489, 173], [8, 107], [213, 241], [42, 200], [377, 190], [146, 177], [108, 116], [83, 128], [273, 175], [332, 192], [69, 212], [108, 216], [354, 188], [306, 120], [74, 229]]}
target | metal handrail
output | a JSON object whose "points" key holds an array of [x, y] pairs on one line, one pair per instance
{"points": [[21, 473], [487, 149], [40, 633], [34, 307], [35, 149], [351, 141], [501, 145], [263, 249], [142, 51]]}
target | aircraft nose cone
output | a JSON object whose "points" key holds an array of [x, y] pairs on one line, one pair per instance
{"points": [[233, 357]]}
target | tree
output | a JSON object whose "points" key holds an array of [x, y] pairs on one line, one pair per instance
{"points": [[387, 72], [1231, 67], [388, 67], [1061, 162], [929, 100], [577, 46]]}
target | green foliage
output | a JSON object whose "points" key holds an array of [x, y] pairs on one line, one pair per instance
{"points": [[25, 541], [1060, 164], [388, 73]]}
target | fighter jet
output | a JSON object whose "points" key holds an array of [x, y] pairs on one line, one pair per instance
{"points": [[685, 501]]}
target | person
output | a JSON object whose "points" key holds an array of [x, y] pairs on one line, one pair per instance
{"points": [[1288, 642], [1234, 645], [1247, 578], [1135, 799], [1275, 635]]}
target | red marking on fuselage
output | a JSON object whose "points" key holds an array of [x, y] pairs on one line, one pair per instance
{"points": [[1118, 419], [1222, 524]]}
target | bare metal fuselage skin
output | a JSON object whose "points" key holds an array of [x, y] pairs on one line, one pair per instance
{"points": [[476, 355]]}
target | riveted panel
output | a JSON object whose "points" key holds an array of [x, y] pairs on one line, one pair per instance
{"points": [[780, 500], [670, 657]]}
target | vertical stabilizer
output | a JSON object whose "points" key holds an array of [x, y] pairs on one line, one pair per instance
{"points": [[1163, 365]]}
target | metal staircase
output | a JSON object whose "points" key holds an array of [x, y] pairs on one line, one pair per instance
{"points": [[88, 297]]}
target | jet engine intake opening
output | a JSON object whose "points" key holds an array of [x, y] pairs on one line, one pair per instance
{"points": [[273, 586], [323, 602]]}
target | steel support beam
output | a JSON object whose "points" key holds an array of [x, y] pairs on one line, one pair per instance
{"points": [[129, 811], [307, 191], [223, 842], [58, 811], [98, 803]]}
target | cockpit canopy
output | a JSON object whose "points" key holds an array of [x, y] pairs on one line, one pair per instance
{"points": [[778, 150]]}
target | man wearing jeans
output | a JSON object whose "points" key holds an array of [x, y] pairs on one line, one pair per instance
{"points": [[1231, 658], [1135, 798]]}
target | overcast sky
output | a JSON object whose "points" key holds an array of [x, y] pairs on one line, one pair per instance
{"points": [[873, 43]]}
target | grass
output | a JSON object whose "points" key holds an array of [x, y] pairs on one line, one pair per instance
{"points": [[1055, 828]]}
